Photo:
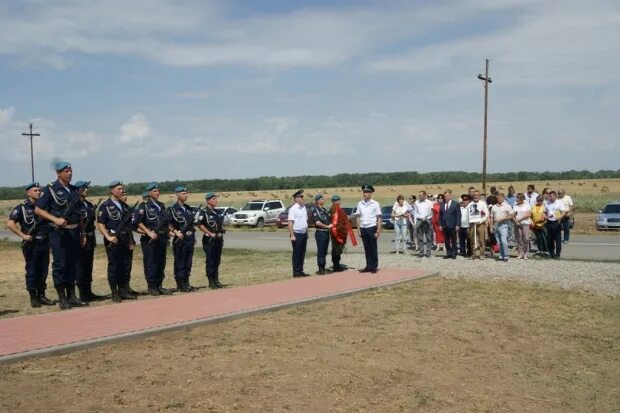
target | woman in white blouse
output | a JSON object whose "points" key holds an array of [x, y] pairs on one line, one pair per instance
{"points": [[400, 216], [523, 213]]}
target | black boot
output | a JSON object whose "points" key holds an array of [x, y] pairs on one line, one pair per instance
{"points": [[93, 296], [115, 295], [163, 291], [212, 283], [85, 293], [72, 298], [34, 299], [123, 292], [43, 299], [218, 284], [131, 291], [62, 298], [153, 290], [188, 286], [180, 285]]}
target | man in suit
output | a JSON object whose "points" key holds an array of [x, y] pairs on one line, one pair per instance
{"points": [[450, 220]]}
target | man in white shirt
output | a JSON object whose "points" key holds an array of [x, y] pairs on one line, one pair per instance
{"points": [[369, 224], [423, 213], [569, 209], [531, 195], [501, 217], [478, 212], [554, 209], [298, 231]]}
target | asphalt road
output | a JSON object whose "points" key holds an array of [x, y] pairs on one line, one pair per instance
{"points": [[604, 247]]}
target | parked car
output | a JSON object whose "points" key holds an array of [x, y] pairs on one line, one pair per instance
{"points": [[258, 213], [609, 217], [350, 211], [282, 220], [386, 217], [227, 212]]}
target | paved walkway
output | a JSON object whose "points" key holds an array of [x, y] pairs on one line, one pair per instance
{"points": [[65, 331]]}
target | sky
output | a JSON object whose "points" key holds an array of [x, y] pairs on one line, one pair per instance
{"points": [[194, 89]]}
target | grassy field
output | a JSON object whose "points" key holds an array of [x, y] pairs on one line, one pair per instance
{"points": [[434, 345]]}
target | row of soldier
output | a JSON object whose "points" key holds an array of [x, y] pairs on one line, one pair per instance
{"points": [[60, 218]]}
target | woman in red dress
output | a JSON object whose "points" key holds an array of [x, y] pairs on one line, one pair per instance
{"points": [[439, 241]]}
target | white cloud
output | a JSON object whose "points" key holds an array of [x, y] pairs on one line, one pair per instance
{"points": [[77, 145], [6, 116], [136, 130]]}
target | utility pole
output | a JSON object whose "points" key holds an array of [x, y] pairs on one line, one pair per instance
{"points": [[486, 79], [31, 135]]}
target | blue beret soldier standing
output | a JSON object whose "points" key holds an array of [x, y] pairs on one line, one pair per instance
{"points": [[114, 223], [153, 223], [35, 245], [59, 205], [184, 239], [322, 222], [211, 223], [84, 270]]}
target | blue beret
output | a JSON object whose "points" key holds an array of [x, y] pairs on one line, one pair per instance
{"points": [[81, 184], [298, 194], [210, 195], [114, 183], [32, 185], [60, 165], [368, 188], [151, 186], [145, 194], [180, 188], [318, 196], [335, 198]]}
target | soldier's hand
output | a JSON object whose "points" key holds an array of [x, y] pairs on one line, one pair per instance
{"points": [[152, 235], [82, 240], [179, 234], [61, 222], [27, 238], [293, 238], [113, 240]]}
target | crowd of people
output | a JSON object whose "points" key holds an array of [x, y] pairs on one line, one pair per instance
{"points": [[476, 227], [59, 218]]}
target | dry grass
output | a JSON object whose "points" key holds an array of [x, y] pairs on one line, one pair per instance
{"points": [[433, 345]]}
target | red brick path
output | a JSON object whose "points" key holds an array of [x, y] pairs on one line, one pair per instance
{"points": [[63, 331]]}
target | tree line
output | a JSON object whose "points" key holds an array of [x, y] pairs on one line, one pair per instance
{"points": [[343, 180]]}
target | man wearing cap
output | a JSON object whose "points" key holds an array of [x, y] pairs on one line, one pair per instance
{"points": [[59, 204], [211, 223], [132, 242], [322, 222], [114, 223], [153, 223], [369, 223], [341, 228], [35, 245], [184, 239], [298, 232], [84, 266]]}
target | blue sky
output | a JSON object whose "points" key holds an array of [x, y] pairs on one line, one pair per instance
{"points": [[163, 90]]}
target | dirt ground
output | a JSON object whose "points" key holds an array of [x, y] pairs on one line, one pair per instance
{"points": [[432, 345]]}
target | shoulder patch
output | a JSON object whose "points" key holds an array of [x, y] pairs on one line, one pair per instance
{"points": [[14, 213], [100, 213]]}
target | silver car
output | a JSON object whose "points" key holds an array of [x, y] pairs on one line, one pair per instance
{"points": [[609, 217]]}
